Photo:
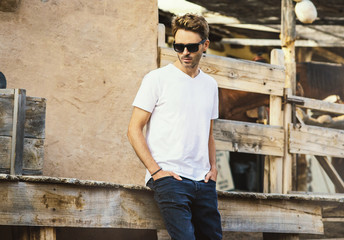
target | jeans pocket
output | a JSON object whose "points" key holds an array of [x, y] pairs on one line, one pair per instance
{"points": [[162, 179]]}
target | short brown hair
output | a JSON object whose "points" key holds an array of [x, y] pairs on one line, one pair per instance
{"points": [[191, 22]]}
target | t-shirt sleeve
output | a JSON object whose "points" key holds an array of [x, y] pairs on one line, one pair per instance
{"points": [[148, 94], [215, 113]]}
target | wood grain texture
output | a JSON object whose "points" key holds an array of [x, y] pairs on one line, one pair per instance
{"points": [[318, 104], [69, 205], [35, 116], [316, 141], [17, 147], [237, 74], [274, 164], [248, 137], [31, 123], [262, 216], [33, 155]]}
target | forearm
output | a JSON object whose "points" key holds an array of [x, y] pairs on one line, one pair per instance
{"points": [[212, 152], [138, 142]]}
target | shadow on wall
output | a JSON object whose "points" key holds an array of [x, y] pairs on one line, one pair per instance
{"points": [[3, 83]]}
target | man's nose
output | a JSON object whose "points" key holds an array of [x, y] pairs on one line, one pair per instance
{"points": [[186, 51]]}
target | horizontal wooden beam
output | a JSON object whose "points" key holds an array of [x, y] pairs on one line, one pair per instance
{"points": [[70, 203], [259, 217], [248, 137], [316, 141], [277, 42], [317, 104], [237, 74]]}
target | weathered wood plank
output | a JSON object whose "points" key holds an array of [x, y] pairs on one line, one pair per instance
{"points": [[237, 74], [248, 137], [6, 114], [40, 204], [318, 104], [331, 173], [70, 205], [288, 37], [333, 211], [316, 141], [274, 164], [35, 116], [262, 215], [17, 145], [33, 155], [5, 152]]}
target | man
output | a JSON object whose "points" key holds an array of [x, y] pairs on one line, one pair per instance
{"points": [[178, 103]]}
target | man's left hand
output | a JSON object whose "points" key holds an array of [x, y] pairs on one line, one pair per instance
{"points": [[212, 174]]}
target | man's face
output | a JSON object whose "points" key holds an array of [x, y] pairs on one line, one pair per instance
{"points": [[186, 58]]}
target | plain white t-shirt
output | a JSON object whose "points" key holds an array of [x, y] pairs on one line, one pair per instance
{"points": [[178, 130]]}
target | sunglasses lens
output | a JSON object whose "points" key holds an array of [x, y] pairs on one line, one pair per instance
{"points": [[178, 47], [192, 47]]}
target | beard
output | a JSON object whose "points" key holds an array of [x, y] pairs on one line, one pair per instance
{"points": [[189, 61]]}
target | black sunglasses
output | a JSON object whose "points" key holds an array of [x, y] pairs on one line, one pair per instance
{"points": [[191, 47]]}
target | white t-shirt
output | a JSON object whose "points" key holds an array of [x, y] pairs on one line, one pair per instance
{"points": [[178, 130]]}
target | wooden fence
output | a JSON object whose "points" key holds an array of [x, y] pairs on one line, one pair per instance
{"points": [[281, 137], [22, 132]]}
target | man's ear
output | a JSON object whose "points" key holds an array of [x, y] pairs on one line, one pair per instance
{"points": [[206, 45]]}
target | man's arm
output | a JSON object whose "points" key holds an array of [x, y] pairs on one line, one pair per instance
{"points": [[138, 120], [212, 174]]}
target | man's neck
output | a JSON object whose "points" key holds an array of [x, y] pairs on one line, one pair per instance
{"points": [[192, 72]]}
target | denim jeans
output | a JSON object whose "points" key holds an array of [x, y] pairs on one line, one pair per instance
{"points": [[189, 208]]}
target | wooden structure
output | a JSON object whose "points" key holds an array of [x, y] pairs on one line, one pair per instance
{"points": [[265, 139], [22, 132], [48, 202]]}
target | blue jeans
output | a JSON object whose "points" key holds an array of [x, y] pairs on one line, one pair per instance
{"points": [[189, 208]]}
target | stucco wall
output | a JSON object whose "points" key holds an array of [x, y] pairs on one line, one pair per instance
{"points": [[87, 58]]}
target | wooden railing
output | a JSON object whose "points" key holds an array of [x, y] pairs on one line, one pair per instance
{"points": [[280, 138]]}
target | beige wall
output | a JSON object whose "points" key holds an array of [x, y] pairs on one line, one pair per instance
{"points": [[87, 58]]}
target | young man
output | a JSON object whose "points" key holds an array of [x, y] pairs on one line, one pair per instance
{"points": [[178, 103]]}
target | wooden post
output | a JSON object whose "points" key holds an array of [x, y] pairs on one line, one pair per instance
{"points": [[17, 146], [274, 165], [288, 36]]}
